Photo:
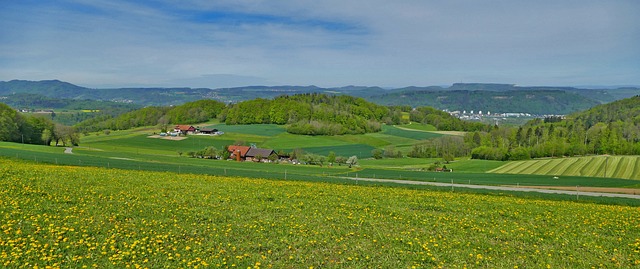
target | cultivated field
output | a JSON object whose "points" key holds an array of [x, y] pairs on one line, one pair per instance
{"points": [[593, 166], [66, 216]]}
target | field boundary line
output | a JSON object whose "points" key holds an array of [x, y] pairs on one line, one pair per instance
{"points": [[498, 188]]}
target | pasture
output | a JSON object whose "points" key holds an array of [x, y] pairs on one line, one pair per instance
{"points": [[66, 216], [263, 135], [134, 150]]}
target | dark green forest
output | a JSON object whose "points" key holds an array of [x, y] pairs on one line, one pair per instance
{"points": [[313, 114], [539, 102]]}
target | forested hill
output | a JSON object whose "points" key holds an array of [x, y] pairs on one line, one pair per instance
{"points": [[313, 114], [625, 110], [322, 114], [527, 101], [31, 101], [612, 128], [460, 96]]}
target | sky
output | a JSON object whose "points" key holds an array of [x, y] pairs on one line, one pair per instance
{"points": [[329, 43]]}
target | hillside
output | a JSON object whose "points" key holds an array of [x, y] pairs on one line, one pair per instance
{"points": [[30, 101], [491, 97], [313, 114], [612, 128], [626, 110], [539, 102], [187, 113]]}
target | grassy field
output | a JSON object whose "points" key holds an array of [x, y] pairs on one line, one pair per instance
{"points": [[134, 150], [263, 135], [420, 127], [134, 158], [593, 166], [65, 216]]}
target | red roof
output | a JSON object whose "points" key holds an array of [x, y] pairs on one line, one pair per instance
{"points": [[243, 150], [185, 127]]}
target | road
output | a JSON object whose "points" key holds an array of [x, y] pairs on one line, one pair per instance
{"points": [[498, 188]]}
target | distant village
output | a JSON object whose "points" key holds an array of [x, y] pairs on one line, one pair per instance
{"points": [[472, 115]]}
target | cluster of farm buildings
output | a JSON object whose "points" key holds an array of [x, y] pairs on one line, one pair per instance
{"points": [[238, 153], [179, 130]]}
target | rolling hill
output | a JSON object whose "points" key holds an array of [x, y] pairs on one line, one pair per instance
{"points": [[489, 97], [526, 101]]}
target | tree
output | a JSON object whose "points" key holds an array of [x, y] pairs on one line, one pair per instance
{"points": [[297, 153], [390, 152], [210, 152], [331, 158], [8, 123], [226, 154], [65, 134], [273, 157], [353, 160], [448, 157], [376, 154]]}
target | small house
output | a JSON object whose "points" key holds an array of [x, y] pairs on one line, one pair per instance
{"points": [[238, 152], [259, 155], [184, 129]]}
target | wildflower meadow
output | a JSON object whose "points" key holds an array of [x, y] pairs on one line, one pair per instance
{"points": [[83, 217]]}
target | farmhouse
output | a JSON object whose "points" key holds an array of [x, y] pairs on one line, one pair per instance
{"points": [[238, 152], [258, 155], [184, 129]]}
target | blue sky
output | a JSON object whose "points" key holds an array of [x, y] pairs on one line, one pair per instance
{"points": [[201, 43]]}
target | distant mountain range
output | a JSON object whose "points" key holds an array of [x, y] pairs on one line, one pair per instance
{"points": [[459, 96]]}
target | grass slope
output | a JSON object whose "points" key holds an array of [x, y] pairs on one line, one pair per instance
{"points": [[77, 216], [627, 167]]}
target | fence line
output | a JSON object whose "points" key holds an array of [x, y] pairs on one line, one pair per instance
{"points": [[110, 163]]}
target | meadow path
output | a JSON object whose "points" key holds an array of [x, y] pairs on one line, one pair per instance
{"points": [[68, 150], [499, 188]]}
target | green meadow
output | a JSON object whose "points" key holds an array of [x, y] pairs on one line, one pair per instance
{"points": [[135, 150], [55, 216]]}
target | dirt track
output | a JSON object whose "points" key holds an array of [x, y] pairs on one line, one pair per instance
{"points": [[580, 191], [587, 189], [175, 138]]}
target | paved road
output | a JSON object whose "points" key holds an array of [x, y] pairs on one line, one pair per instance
{"points": [[499, 188]]}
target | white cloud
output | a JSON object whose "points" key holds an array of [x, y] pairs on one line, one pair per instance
{"points": [[326, 43]]}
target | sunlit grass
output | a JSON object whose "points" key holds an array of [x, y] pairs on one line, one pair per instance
{"points": [[64, 216]]}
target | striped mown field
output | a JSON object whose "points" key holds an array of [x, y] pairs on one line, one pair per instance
{"points": [[627, 167]]}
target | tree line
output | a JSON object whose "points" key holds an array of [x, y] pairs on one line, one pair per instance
{"points": [[606, 129], [187, 113], [33, 129]]}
